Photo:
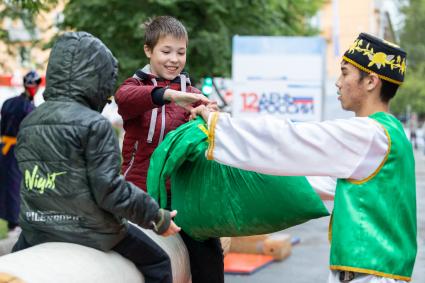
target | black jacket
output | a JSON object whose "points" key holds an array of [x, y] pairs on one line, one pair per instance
{"points": [[13, 111], [72, 190]]}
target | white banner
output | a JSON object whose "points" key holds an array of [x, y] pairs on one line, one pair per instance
{"points": [[278, 76]]}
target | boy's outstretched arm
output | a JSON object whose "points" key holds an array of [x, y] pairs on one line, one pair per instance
{"points": [[134, 98], [185, 99]]}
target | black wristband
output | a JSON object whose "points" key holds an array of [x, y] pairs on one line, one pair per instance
{"points": [[158, 96]]}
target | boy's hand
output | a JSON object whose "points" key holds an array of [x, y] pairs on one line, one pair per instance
{"points": [[173, 228], [203, 111], [212, 106], [185, 99]]}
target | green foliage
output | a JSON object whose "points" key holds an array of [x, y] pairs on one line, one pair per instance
{"points": [[29, 6], [413, 90], [25, 10], [211, 24]]}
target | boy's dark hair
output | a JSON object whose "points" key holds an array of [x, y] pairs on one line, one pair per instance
{"points": [[162, 26], [388, 90]]}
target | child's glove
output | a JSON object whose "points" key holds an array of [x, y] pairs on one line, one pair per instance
{"points": [[161, 222], [164, 225]]}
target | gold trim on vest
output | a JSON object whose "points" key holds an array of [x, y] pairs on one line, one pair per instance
{"points": [[368, 271], [358, 182]]}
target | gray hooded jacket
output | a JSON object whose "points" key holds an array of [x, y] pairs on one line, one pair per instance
{"points": [[72, 190]]}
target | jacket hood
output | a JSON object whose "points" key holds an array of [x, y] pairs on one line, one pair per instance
{"points": [[81, 68]]}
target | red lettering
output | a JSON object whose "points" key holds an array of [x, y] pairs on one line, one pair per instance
{"points": [[249, 102]]}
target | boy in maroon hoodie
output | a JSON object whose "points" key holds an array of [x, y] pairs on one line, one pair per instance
{"points": [[149, 105]]}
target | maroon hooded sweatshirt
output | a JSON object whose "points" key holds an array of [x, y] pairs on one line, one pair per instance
{"points": [[146, 123]]}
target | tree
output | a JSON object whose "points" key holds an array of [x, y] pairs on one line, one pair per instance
{"points": [[211, 24], [26, 11], [413, 90]]}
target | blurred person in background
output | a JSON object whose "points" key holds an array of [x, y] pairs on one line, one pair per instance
{"points": [[423, 135], [13, 111], [413, 137]]}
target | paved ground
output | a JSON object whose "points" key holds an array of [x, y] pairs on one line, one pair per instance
{"points": [[309, 260]]}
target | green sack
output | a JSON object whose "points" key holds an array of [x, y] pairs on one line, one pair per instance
{"points": [[215, 200]]}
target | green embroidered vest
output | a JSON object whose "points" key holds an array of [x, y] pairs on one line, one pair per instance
{"points": [[373, 227]]}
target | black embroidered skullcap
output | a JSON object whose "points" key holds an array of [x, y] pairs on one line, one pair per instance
{"points": [[374, 55]]}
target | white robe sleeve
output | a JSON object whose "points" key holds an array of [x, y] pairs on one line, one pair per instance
{"points": [[345, 148], [324, 186]]}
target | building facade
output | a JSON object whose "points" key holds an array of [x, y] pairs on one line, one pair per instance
{"points": [[24, 50], [340, 22]]}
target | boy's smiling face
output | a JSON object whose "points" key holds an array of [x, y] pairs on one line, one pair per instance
{"points": [[168, 57]]}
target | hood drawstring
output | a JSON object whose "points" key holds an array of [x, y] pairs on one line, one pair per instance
{"points": [[154, 115]]}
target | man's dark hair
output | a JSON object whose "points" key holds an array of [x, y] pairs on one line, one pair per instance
{"points": [[163, 26], [388, 90]]}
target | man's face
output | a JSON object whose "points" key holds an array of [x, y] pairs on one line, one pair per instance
{"points": [[351, 89], [168, 57], [32, 90]]}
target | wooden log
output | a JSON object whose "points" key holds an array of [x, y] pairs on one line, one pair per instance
{"points": [[276, 245], [7, 278], [64, 262]]}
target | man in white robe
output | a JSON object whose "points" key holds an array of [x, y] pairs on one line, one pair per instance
{"points": [[352, 149]]}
